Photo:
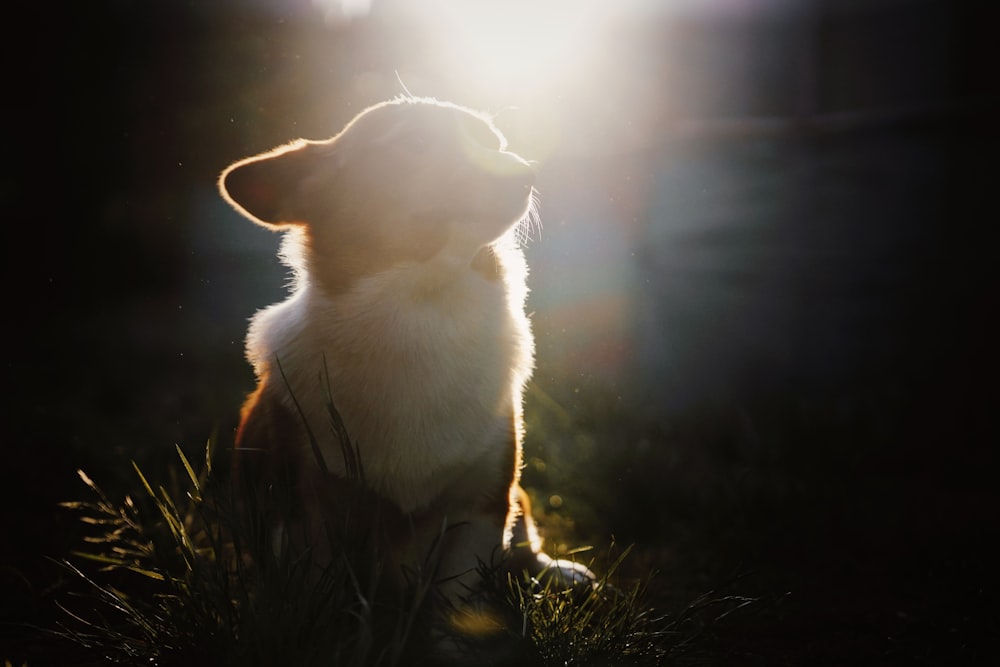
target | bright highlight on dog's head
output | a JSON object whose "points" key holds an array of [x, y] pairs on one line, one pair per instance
{"points": [[438, 153]]}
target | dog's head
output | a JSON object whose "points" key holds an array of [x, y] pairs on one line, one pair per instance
{"points": [[406, 181]]}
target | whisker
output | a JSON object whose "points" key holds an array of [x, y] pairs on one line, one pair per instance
{"points": [[531, 221]]}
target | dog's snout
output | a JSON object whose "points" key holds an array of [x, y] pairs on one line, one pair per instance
{"points": [[512, 166]]}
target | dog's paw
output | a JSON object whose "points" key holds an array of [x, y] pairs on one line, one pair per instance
{"points": [[562, 574]]}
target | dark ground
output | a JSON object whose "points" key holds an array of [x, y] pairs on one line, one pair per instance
{"points": [[803, 413]]}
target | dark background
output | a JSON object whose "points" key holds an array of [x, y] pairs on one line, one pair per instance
{"points": [[763, 292]]}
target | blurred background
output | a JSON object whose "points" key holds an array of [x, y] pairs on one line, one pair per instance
{"points": [[763, 293]]}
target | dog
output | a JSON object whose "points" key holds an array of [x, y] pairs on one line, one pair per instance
{"points": [[405, 324]]}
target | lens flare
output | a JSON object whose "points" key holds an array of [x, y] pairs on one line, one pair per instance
{"points": [[517, 43], [338, 11]]}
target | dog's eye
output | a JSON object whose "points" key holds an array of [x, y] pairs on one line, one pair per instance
{"points": [[477, 132]]}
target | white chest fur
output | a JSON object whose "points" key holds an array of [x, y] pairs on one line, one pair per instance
{"points": [[425, 365]]}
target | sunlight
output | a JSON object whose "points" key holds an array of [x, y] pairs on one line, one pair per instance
{"points": [[516, 44], [343, 10], [521, 59]]}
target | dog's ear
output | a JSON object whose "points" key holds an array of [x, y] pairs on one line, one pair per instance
{"points": [[267, 188]]}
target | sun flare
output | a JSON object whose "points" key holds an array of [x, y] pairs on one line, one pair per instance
{"points": [[514, 45]]}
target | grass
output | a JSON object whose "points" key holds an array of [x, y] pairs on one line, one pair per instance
{"points": [[182, 576], [853, 555], [195, 583]]}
